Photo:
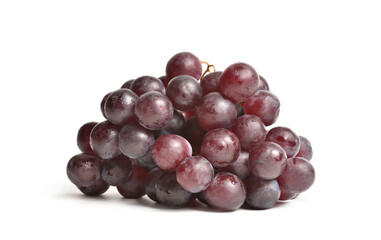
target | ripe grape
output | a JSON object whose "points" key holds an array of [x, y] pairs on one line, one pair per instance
{"points": [[83, 138], [153, 110], [103, 104], [264, 105], [188, 114], [194, 174], [128, 84], [262, 85], [261, 194], [211, 82], [285, 138], [165, 80], [117, 170], [226, 192], [146, 162], [185, 92], [170, 150], [305, 150], [184, 63], [146, 84], [250, 130], [175, 126], [84, 170], [134, 186], [96, 189], [135, 141], [215, 111], [298, 175], [238, 82], [240, 167], [119, 106], [151, 181], [267, 160], [286, 195], [194, 134], [221, 147], [104, 140]]}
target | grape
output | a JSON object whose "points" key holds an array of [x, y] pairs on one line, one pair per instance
{"points": [[215, 111], [104, 140], [170, 193], [298, 175], [200, 196], [226, 192], [264, 105], [134, 186], [98, 188], [146, 84], [239, 167], [170, 150], [194, 174], [211, 82], [240, 110], [305, 150], [175, 126], [262, 85], [184, 63], [117, 170], [103, 104], [221, 147], [194, 134], [153, 110], [286, 195], [185, 92], [188, 114], [150, 183], [84, 170], [128, 84], [250, 130], [165, 80], [285, 138], [135, 141], [261, 194], [267, 160], [83, 138], [238, 82], [146, 161], [119, 106]]}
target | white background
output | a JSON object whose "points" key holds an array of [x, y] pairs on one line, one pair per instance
{"points": [[58, 59]]}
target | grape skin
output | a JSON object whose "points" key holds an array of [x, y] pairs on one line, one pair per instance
{"points": [[128, 84], [285, 138], [119, 106], [211, 82], [104, 140], [240, 167], [184, 63], [305, 150], [84, 170], [151, 181], [185, 92], [135, 141], [261, 194], [146, 84], [250, 130], [134, 186], [264, 105], [117, 170], [83, 138]]}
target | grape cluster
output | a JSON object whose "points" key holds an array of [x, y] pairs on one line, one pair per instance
{"points": [[189, 135]]}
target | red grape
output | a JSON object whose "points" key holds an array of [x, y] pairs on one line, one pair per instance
{"points": [[103, 104], [285, 138], [175, 126], [211, 82], [117, 170], [194, 134], [135, 141], [250, 130], [83, 138], [134, 186], [165, 80], [261, 194], [98, 188], [146, 84], [104, 140], [128, 84], [264, 105], [184, 63], [305, 150], [119, 106], [151, 181], [286, 195], [185, 92], [262, 85], [239, 167], [84, 170]]}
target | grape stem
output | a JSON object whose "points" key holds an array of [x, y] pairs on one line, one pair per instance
{"points": [[207, 69]]}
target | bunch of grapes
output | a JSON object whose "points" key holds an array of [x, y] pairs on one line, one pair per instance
{"points": [[188, 135]]}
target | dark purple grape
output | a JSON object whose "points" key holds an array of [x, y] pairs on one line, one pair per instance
{"points": [[211, 82], [226, 192], [305, 150], [104, 140], [135, 141], [239, 167], [84, 170], [262, 85], [153, 110], [146, 84], [267, 160], [128, 84], [298, 176], [264, 105], [150, 183], [117, 170], [103, 104], [194, 134], [240, 110], [200, 196], [221, 147], [134, 186], [215, 111], [146, 162], [185, 92], [175, 126], [119, 106], [261, 194], [286, 195], [170, 193], [83, 138], [194, 174], [285, 138], [238, 82], [184, 63], [170, 150], [250, 130], [98, 188], [165, 80]]}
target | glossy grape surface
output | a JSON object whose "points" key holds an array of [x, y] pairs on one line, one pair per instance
{"points": [[211, 82], [264, 105], [170, 150], [267, 160], [165, 80], [135, 141], [185, 92], [175, 126], [221, 147], [119, 106], [240, 167], [134, 186], [184, 63], [215, 111], [104, 140], [117, 170], [128, 84], [238, 82], [286, 195], [153, 110], [305, 150], [103, 102], [150, 183], [146, 162], [194, 134], [84, 170], [96, 189], [262, 84], [250, 130], [285, 138], [83, 138], [226, 192], [146, 84], [261, 194]]}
